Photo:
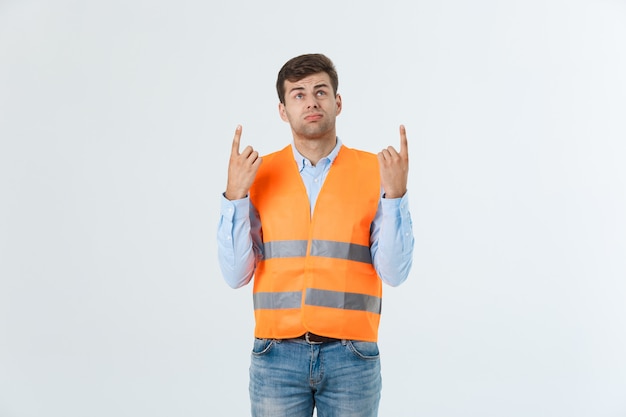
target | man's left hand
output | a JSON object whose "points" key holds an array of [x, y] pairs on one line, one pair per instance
{"points": [[394, 167]]}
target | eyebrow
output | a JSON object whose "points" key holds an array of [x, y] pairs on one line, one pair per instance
{"points": [[296, 89], [317, 86]]}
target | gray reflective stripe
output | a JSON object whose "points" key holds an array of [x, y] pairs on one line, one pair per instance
{"points": [[343, 300], [277, 300], [284, 249], [341, 250], [322, 248]]}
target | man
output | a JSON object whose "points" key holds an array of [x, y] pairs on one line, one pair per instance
{"points": [[319, 225]]}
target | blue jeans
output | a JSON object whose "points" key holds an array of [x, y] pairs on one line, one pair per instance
{"points": [[289, 378]]}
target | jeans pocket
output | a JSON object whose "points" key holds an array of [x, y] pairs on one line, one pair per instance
{"points": [[364, 350], [262, 346]]}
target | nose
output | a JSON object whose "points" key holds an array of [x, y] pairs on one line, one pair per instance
{"points": [[312, 103]]}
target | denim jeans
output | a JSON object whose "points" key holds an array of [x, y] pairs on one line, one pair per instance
{"points": [[289, 378]]}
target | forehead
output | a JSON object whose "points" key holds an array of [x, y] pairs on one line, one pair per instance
{"points": [[310, 81]]}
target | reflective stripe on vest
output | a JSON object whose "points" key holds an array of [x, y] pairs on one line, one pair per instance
{"points": [[343, 300], [277, 300], [323, 248], [318, 298], [284, 249], [341, 250]]}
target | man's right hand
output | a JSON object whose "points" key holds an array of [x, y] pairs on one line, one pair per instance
{"points": [[242, 169]]}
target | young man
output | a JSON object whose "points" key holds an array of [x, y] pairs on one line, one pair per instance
{"points": [[319, 225]]}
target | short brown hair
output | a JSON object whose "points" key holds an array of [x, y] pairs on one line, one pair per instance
{"points": [[302, 66]]}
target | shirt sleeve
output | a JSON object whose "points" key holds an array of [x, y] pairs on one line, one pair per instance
{"points": [[391, 240], [238, 241]]}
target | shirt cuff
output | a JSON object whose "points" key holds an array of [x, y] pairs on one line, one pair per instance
{"points": [[235, 209], [396, 207]]}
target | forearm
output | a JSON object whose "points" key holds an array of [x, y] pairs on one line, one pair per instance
{"points": [[236, 243], [392, 240]]}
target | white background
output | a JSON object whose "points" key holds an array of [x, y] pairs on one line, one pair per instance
{"points": [[116, 121]]}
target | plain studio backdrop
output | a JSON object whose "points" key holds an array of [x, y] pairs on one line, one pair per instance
{"points": [[116, 123]]}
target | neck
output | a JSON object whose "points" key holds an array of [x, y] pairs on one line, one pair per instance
{"points": [[315, 149]]}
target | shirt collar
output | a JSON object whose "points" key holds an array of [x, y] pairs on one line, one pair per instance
{"points": [[301, 160]]}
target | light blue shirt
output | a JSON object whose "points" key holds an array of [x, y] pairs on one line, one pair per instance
{"points": [[239, 234]]}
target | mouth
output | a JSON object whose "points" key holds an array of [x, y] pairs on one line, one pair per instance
{"points": [[313, 117]]}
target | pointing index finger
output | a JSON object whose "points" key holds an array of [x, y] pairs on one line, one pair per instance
{"points": [[236, 139], [404, 145]]}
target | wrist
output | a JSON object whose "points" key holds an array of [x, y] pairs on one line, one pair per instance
{"points": [[394, 195], [233, 196]]}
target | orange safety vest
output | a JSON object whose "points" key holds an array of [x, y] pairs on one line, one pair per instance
{"points": [[316, 273]]}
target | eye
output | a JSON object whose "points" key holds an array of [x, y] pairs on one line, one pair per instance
{"points": [[299, 96], [321, 93]]}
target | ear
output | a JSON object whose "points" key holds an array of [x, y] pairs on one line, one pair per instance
{"points": [[338, 100], [282, 112]]}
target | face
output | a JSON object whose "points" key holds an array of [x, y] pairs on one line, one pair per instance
{"points": [[311, 107]]}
